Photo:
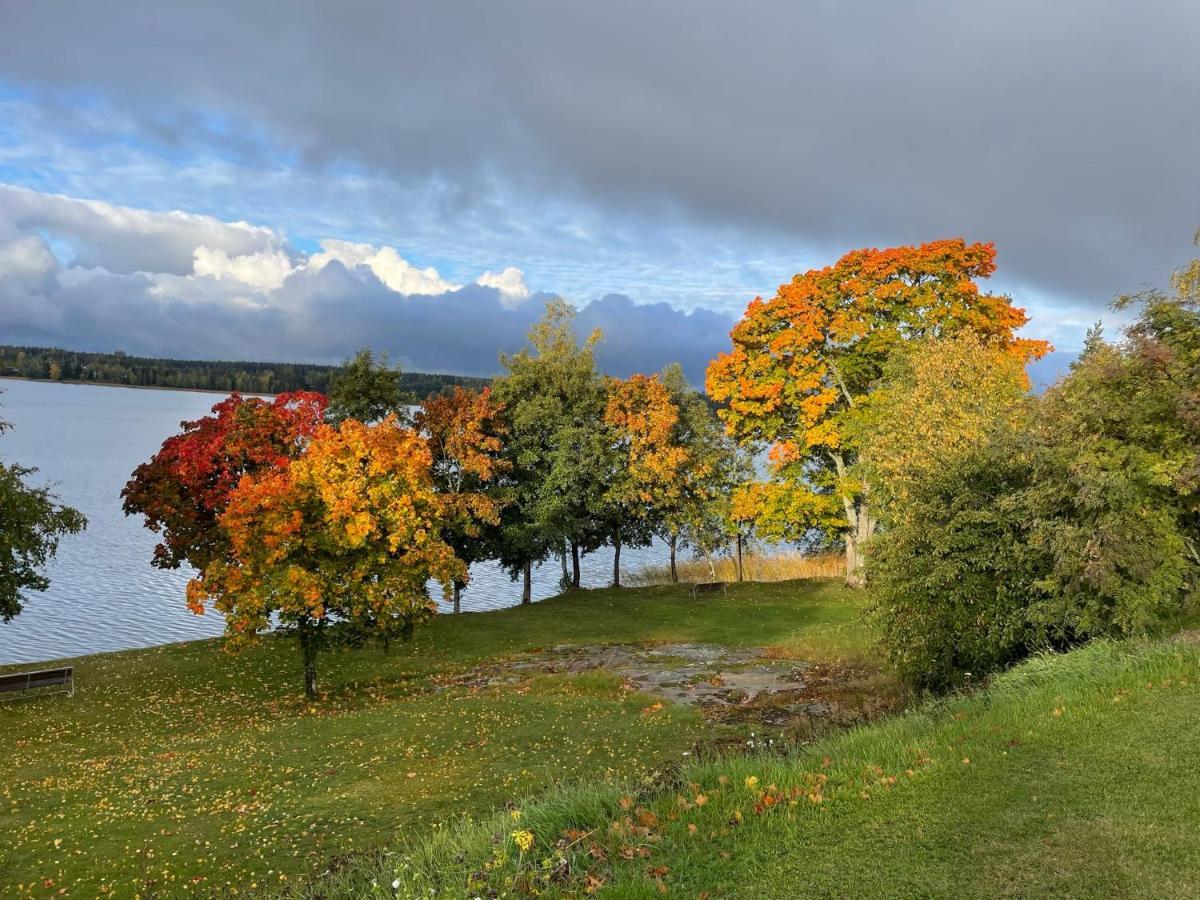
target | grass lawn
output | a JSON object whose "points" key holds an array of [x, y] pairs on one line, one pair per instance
{"points": [[185, 769], [1073, 775]]}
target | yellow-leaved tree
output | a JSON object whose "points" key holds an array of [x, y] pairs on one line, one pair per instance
{"points": [[645, 481], [350, 531], [936, 401]]}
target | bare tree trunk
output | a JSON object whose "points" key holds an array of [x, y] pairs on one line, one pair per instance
{"points": [[616, 581], [562, 556], [527, 586], [674, 572], [739, 556], [860, 527], [308, 650], [861, 530], [457, 598], [854, 576], [574, 565]]}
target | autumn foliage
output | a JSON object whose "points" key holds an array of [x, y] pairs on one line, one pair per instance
{"points": [[465, 434], [184, 489], [349, 530], [803, 360], [643, 419]]}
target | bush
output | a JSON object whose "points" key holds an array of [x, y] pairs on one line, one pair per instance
{"points": [[1074, 521], [950, 579]]}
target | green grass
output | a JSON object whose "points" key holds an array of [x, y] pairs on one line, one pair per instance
{"points": [[1071, 775], [185, 769]]}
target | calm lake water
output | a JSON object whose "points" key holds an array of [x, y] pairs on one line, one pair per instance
{"points": [[104, 594]]}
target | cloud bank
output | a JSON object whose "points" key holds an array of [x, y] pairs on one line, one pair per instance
{"points": [[94, 276], [1064, 131]]}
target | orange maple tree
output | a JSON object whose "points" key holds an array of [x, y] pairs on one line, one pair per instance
{"points": [[804, 359], [646, 480], [465, 432], [349, 531]]}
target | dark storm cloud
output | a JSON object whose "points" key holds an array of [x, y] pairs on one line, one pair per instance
{"points": [[1064, 131], [319, 314]]}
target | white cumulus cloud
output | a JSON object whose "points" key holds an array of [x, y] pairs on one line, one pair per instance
{"points": [[387, 265], [240, 292], [510, 282], [265, 270], [124, 239]]}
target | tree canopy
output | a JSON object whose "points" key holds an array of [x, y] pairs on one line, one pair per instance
{"points": [[185, 487], [32, 521], [1031, 522], [804, 360], [350, 530], [558, 450], [465, 432], [367, 389]]}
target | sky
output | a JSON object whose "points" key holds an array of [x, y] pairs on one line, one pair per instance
{"points": [[296, 180]]}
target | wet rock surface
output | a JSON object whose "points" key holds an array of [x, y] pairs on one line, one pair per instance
{"points": [[705, 675], [742, 691]]}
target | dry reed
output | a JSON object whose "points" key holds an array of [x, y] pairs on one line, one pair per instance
{"points": [[755, 567]]}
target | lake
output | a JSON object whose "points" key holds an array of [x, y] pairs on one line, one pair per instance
{"points": [[104, 594]]}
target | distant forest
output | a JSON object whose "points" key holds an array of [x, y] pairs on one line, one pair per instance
{"points": [[52, 364]]}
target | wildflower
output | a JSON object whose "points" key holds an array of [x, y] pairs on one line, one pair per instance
{"points": [[523, 839], [515, 815], [751, 781], [396, 885]]}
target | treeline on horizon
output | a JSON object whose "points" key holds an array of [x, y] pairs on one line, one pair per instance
{"points": [[119, 368]]}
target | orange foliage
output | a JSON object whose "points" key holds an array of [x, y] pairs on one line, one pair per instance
{"points": [[804, 359], [821, 341], [351, 528], [465, 433], [641, 413]]}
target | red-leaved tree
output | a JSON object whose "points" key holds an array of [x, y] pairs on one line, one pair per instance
{"points": [[184, 489]]}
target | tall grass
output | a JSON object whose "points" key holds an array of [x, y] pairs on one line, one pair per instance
{"points": [[783, 566]]}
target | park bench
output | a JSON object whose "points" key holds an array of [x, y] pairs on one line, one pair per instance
{"points": [[22, 683], [708, 587]]}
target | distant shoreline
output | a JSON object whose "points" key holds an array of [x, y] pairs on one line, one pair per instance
{"points": [[133, 387]]}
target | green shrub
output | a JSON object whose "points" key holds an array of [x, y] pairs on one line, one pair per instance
{"points": [[950, 580], [1077, 520]]}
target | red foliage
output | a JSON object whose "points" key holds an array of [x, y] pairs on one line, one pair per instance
{"points": [[183, 490]]}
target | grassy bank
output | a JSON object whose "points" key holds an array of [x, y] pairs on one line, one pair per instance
{"points": [[1073, 775], [184, 769]]}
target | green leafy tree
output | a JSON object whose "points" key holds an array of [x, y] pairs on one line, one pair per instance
{"points": [[367, 389], [32, 521], [557, 451], [950, 581]]}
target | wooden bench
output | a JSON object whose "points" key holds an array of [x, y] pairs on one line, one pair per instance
{"points": [[708, 587], [23, 682]]}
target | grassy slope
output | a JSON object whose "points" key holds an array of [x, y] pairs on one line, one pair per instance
{"points": [[1073, 775], [182, 762]]}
